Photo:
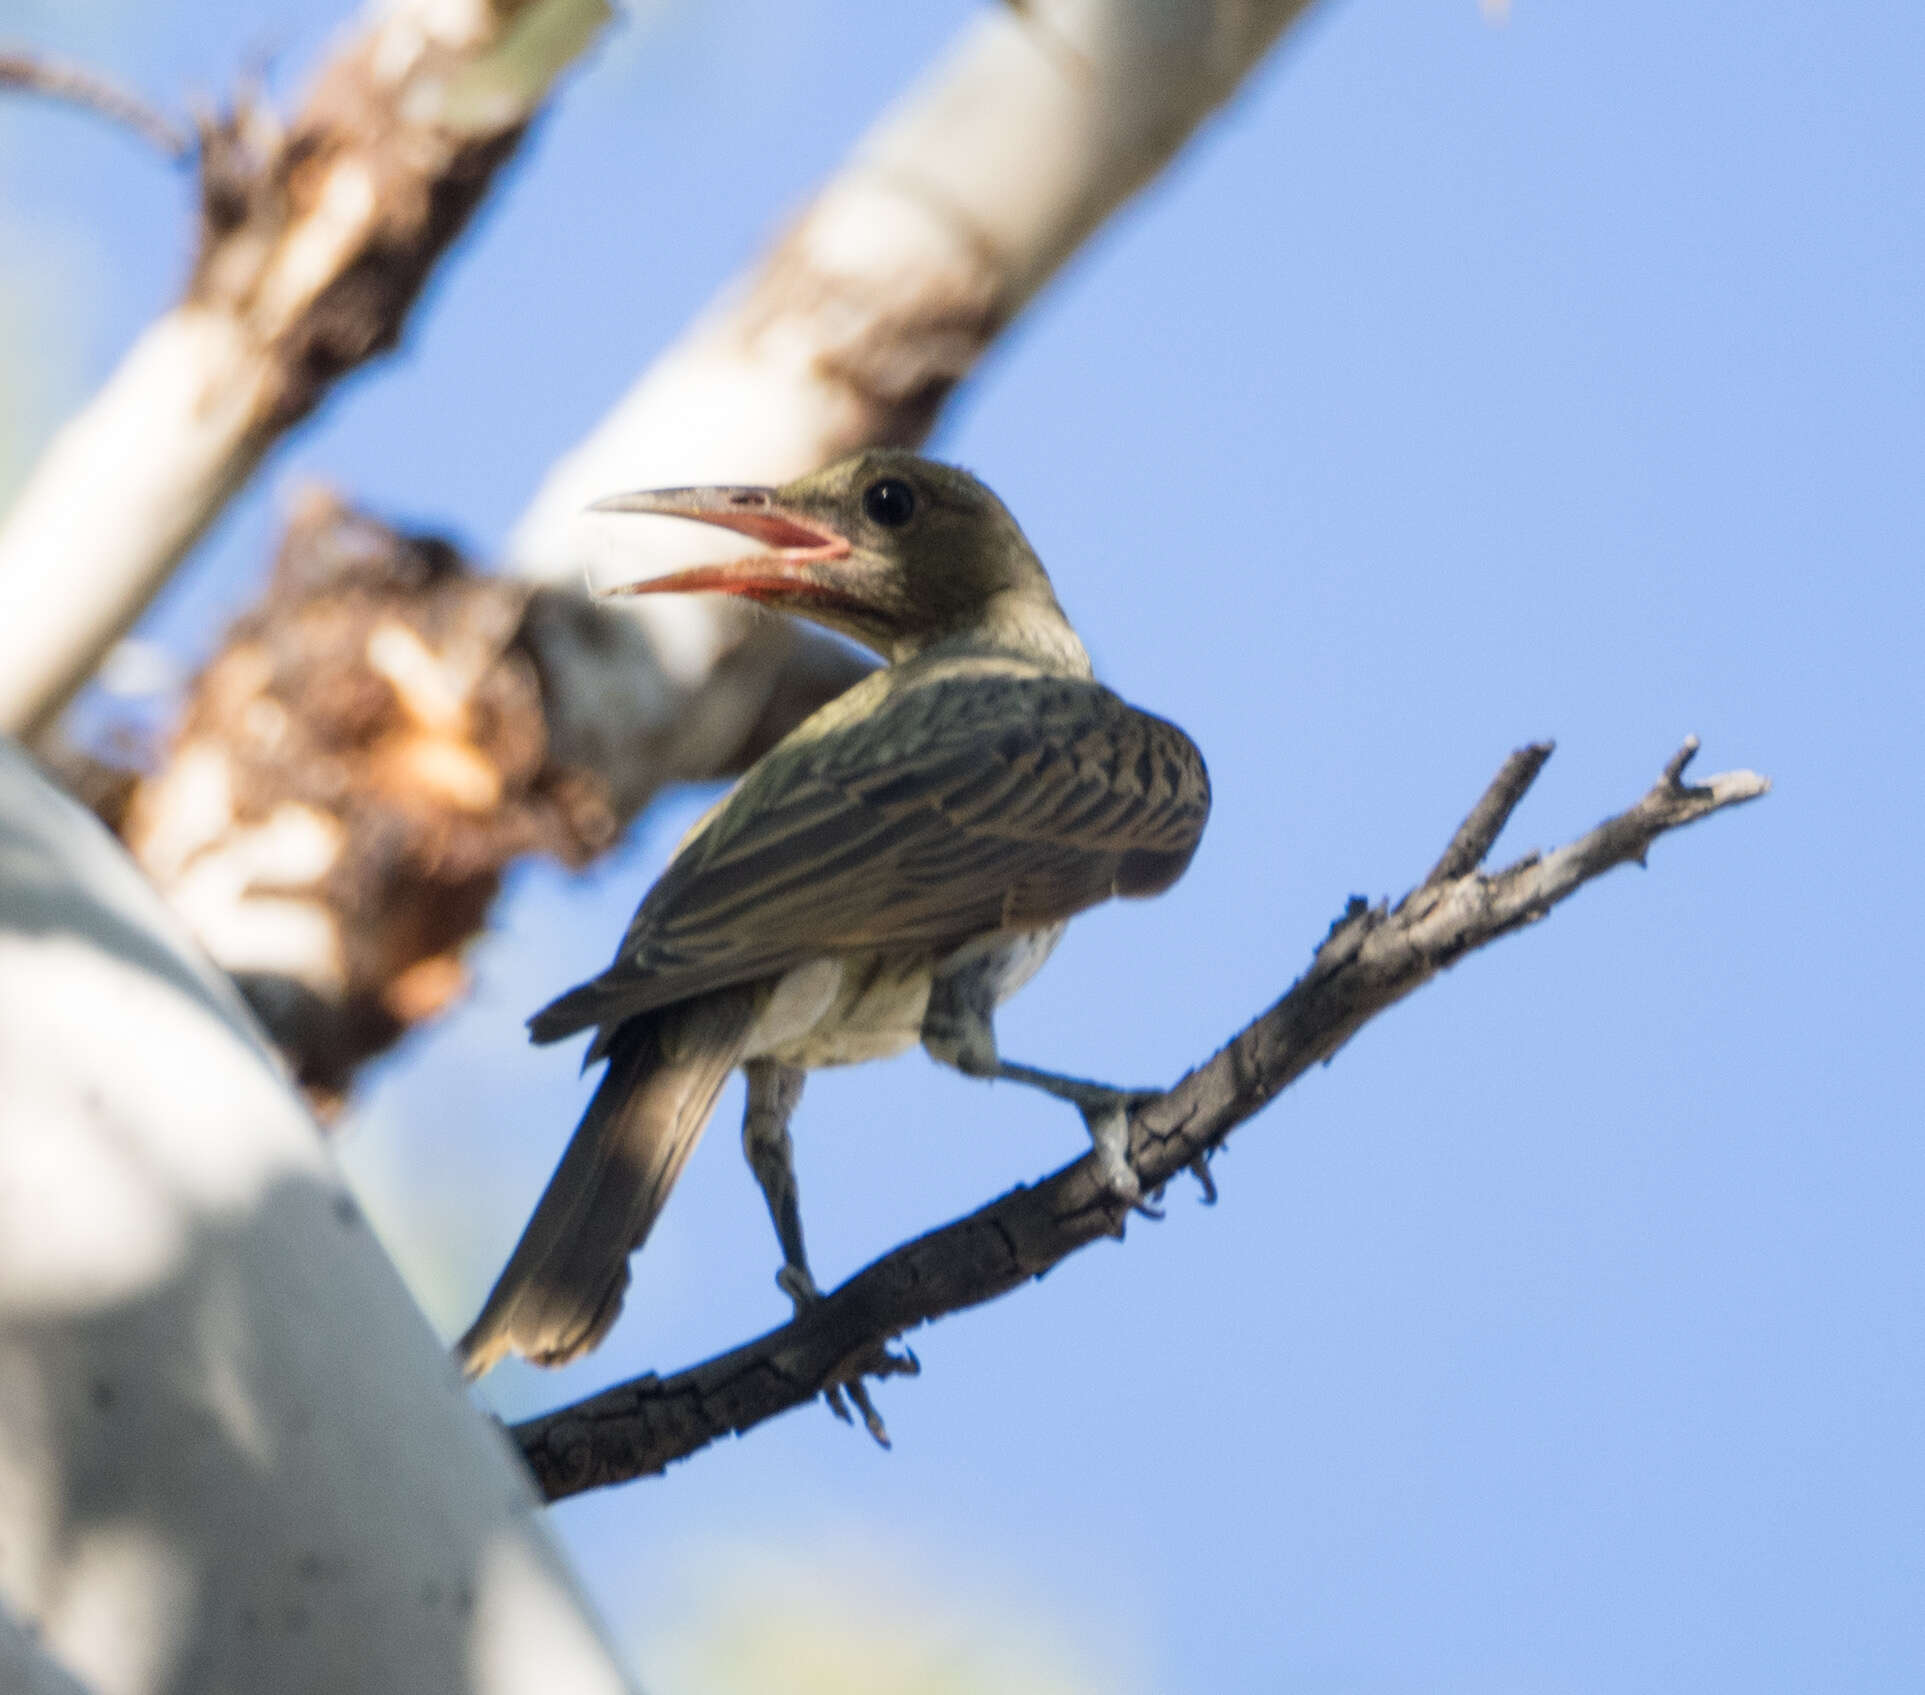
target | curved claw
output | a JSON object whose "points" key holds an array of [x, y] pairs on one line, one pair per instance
{"points": [[871, 1419], [877, 1362]]}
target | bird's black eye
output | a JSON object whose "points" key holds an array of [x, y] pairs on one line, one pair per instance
{"points": [[890, 503]]}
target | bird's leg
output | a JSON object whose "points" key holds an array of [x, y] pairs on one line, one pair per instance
{"points": [[775, 1090], [958, 1030]]}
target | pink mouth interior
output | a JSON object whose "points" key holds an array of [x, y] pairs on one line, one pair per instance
{"points": [[772, 529], [795, 537], [759, 576]]}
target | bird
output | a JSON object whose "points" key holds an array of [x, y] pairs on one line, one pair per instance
{"points": [[889, 872]]}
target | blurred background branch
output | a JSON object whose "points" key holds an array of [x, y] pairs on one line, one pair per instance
{"points": [[343, 903], [62, 79]]}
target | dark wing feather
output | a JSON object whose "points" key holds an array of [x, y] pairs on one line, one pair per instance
{"points": [[959, 806]]}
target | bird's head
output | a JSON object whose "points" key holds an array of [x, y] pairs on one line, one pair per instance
{"points": [[897, 551]]}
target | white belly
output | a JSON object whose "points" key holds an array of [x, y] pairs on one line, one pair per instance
{"points": [[844, 1011], [795, 1008]]}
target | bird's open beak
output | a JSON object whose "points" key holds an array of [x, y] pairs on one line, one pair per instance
{"points": [[801, 568]]}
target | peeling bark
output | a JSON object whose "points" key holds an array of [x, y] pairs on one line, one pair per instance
{"points": [[354, 771], [350, 777]]}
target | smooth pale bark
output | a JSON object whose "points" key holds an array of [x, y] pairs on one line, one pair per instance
{"points": [[233, 1455]]}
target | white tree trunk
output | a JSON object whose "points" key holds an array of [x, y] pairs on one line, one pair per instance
{"points": [[233, 1455]]}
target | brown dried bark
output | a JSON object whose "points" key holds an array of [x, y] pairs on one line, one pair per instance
{"points": [[371, 736], [372, 745], [419, 184]]}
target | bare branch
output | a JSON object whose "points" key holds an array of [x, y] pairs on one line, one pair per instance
{"points": [[61, 79], [1372, 958], [1478, 834]]}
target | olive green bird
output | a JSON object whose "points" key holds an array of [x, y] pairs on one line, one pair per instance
{"points": [[893, 869]]}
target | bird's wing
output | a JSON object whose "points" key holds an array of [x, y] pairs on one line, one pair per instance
{"points": [[958, 807]]}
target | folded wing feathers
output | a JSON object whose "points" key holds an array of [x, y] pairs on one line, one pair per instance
{"points": [[959, 806]]}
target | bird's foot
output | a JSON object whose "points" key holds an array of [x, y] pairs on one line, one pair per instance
{"points": [[846, 1385], [1106, 1115], [874, 1361]]}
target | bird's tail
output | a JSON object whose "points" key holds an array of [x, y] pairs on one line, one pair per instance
{"points": [[563, 1284]]}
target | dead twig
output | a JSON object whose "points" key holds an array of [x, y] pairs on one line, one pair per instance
{"points": [[61, 79]]}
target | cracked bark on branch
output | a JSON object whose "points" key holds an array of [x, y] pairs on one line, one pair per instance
{"points": [[1372, 958]]}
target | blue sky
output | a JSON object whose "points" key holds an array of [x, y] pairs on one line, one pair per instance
{"points": [[1466, 383]]}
